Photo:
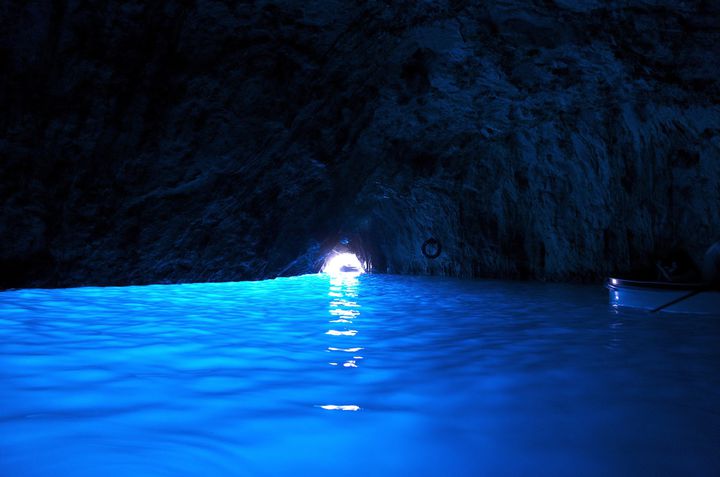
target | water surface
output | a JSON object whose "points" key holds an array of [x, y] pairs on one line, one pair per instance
{"points": [[372, 375]]}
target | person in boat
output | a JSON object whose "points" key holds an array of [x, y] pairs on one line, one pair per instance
{"points": [[677, 266], [711, 264]]}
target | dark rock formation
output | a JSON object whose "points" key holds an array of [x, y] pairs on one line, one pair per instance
{"points": [[213, 140]]}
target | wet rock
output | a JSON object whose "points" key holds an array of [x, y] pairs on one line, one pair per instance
{"points": [[192, 141]]}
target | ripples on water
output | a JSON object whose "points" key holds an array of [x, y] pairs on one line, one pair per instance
{"points": [[372, 375]]}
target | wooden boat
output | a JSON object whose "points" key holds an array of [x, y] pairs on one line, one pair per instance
{"points": [[664, 296]]}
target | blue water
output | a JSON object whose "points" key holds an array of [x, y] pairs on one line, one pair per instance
{"points": [[372, 375]]}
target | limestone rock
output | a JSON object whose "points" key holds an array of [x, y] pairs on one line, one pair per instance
{"points": [[190, 141]]}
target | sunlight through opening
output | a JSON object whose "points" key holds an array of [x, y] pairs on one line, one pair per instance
{"points": [[343, 263]]}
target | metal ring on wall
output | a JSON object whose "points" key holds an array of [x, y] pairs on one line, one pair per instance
{"points": [[429, 243]]}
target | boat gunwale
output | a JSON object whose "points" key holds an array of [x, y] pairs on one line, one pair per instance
{"points": [[620, 283]]}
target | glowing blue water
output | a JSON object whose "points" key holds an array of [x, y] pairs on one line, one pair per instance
{"points": [[450, 377]]}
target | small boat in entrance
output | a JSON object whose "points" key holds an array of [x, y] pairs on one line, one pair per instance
{"points": [[664, 296]]}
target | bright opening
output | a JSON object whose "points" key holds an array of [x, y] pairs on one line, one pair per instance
{"points": [[343, 263]]}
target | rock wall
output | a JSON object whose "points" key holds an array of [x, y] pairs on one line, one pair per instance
{"points": [[212, 140]]}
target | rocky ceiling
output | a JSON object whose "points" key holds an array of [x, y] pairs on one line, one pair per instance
{"points": [[177, 141]]}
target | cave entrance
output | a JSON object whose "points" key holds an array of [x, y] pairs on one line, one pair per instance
{"points": [[342, 262]]}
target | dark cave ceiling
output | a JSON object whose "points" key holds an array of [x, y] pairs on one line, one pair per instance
{"points": [[207, 140]]}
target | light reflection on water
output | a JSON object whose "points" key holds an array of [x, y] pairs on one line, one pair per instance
{"points": [[345, 287], [448, 377]]}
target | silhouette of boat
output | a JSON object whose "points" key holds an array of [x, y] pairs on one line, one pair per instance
{"points": [[671, 297]]}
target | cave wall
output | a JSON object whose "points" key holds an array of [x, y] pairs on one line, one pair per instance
{"points": [[211, 140]]}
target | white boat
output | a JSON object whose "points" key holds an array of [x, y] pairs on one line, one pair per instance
{"points": [[664, 296]]}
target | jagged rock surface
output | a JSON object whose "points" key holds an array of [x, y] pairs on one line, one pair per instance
{"points": [[192, 141]]}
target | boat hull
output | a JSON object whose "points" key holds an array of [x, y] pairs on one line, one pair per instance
{"points": [[652, 295]]}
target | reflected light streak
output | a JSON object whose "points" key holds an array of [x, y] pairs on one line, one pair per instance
{"points": [[341, 333], [342, 309], [341, 312], [345, 407]]}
